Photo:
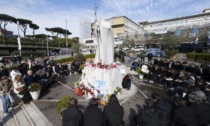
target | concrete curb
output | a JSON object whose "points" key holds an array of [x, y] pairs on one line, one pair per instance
{"points": [[32, 123], [44, 118], [127, 98], [15, 118]]}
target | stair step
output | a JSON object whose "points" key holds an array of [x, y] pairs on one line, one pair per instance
{"points": [[20, 117], [41, 115], [33, 115], [9, 121]]}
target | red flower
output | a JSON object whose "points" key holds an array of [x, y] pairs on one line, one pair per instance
{"points": [[92, 65]]}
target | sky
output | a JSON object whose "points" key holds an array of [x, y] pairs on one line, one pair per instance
{"points": [[55, 13]]}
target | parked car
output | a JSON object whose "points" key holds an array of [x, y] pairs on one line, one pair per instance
{"points": [[156, 52], [138, 48], [126, 49]]}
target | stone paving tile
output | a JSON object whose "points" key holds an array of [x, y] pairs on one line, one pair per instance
{"points": [[131, 106]]}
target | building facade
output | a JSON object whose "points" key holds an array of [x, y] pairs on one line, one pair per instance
{"points": [[6, 33], [123, 27], [162, 26], [85, 28]]}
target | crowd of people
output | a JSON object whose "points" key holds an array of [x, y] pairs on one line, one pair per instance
{"points": [[112, 114], [188, 102], [17, 76]]}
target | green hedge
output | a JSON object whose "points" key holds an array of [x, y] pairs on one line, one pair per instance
{"points": [[64, 60], [198, 56], [171, 53], [78, 57], [90, 56], [28, 42], [28, 54]]}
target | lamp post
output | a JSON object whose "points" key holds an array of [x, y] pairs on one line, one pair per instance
{"points": [[66, 38], [47, 47], [18, 39]]}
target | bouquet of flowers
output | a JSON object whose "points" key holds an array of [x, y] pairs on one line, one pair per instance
{"points": [[117, 90]]}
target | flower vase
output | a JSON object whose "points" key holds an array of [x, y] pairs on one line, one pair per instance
{"points": [[35, 94], [141, 76]]}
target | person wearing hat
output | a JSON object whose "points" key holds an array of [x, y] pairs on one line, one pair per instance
{"points": [[134, 65], [5, 90]]}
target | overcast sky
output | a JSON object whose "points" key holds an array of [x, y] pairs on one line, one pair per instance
{"points": [[53, 13]]}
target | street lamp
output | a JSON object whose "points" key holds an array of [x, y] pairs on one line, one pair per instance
{"points": [[66, 38], [47, 47], [18, 39]]}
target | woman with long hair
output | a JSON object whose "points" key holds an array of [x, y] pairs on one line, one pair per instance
{"points": [[93, 115], [72, 116], [113, 112]]}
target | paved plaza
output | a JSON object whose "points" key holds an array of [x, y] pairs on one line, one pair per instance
{"points": [[131, 101], [44, 109], [47, 103]]}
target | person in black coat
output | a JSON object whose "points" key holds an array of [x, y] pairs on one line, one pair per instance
{"points": [[200, 108], [183, 115], [93, 115], [165, 107], [72, 116], [149, 116], [126, 83], [73, 67], [113, 112], [3, 71], [150, 56], [28, 78]]}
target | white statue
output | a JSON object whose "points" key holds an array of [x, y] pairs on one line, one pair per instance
{"points": [[104, 75], [105, 43]]}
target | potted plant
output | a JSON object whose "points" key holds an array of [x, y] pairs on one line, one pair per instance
{"points": [[62, 104], [35, 89], [141, 73]]}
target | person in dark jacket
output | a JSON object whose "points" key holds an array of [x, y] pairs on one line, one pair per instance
{"points": [[113, 112], [150, 56], [3, 71], [28, 78], [149, 115], [134, 65], [126, 83], [200, 108], [93, 115], [72, 116], [183, 115], [46, 80], [165, 108], [73, 67]]}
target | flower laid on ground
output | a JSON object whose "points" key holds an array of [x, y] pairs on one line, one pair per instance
{"points": [[118, 60], [139, 71], [106, 97], [76, 84], [144, 69], [117, 90], [102, 102]]}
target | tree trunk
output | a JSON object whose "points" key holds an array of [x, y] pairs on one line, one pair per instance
{"points": [[4, 31], [33, 32]]}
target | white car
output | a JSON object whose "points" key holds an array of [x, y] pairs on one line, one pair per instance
{"points": [[126, 48], [138, 48]]}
